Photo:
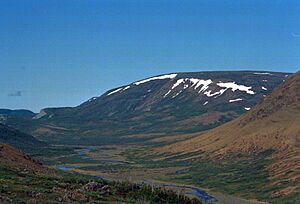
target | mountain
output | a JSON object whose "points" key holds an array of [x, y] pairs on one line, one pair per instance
{"points": [[271, 126], [19, 140], [161, 105], [272, 123]]}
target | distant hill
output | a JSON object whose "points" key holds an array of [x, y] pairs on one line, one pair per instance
{"points": [[174, 103], [18, 113], [272, 125], [19, 140]]}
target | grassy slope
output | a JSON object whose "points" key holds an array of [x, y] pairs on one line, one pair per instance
{"points": [[273, 125]]}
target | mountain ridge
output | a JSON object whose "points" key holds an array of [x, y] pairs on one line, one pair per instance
{"points": [[173, 103]]}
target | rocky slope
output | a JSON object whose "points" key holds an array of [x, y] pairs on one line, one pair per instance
{"points": [[167, 104]]}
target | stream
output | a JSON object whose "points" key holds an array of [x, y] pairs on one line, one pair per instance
{"points": [[204, 196], [197, 192]]}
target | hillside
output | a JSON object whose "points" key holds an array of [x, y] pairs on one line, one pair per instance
{"points": [[271, 126], [19, 140], [273, 123], [161, 105], [10, 156]]}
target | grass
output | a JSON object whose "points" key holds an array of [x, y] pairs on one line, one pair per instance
{"points": [[22, 186], [244, 177]]}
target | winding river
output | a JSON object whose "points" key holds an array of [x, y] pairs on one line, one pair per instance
{"points": [[204, 196]]}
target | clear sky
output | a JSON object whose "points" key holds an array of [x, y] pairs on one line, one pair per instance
{"points": [[61, 53]]}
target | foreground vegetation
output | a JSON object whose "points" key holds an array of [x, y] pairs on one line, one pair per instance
{"points": [[21, 186]]}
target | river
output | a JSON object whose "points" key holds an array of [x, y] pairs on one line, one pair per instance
{"points": [[204, 196]]}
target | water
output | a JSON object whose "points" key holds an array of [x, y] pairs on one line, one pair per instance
{"points": [[81, 152], [84, 152], [64, 168], [198, 192]]}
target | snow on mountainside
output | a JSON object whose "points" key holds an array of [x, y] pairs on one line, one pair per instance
{"points": [[199, 85], [166, 104], [205, 87]]}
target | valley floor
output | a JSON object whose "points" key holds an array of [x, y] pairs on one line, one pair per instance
{"points": [[132, 163]]}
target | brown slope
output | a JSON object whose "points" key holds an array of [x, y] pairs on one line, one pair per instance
{"points": [[273, 124], [14, 158]]}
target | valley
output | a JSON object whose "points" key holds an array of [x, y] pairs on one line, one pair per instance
{"points": [[158, 106], [150, 102], [130, 163], [219, 137]]}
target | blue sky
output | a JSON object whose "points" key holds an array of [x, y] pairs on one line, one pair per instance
{"points": [[61, 53]]}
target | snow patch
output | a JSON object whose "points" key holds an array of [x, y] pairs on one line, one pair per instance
{"points": [[247, 108], [115, 91], [167, 76], [216, 94], [118, 90], [127, 87], [92, 99], [262, 73], [205, 84], [233, 86], [167, 93], [178, 82], [234, 100], [196, 83]]}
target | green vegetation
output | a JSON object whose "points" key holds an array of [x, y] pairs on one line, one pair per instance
{"points": [[21, 186], [241, 175]]}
